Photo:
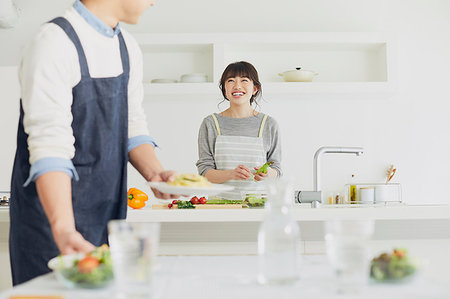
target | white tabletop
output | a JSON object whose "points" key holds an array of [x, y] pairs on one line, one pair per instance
{"points": [[217, 277]]}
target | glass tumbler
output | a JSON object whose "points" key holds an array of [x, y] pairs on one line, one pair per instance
{"points": [[134, 249], [347, 243]]}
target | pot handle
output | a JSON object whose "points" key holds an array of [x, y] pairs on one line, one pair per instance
{"points": [[298, 68]]}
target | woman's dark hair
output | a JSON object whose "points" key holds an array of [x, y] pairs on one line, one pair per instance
{"points": [[241, 69]]}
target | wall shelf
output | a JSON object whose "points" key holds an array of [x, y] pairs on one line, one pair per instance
{"points": [[348, 63]]}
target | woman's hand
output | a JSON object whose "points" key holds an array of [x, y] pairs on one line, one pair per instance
{"points": [[241, 172], [271, 173], [164, 176]]}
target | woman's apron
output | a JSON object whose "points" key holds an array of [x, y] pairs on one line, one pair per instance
{"points": [[100, 128], [231, 151]]}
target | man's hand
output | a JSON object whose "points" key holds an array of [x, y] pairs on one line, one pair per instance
{"points": [[70, 242], [143, 158], [164, 176]]}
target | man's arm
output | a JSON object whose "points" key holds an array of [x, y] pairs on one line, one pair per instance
{"points": [[54, 190], [144, 159]]}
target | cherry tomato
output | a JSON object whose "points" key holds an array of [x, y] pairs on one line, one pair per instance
{"points": [[170, 205], [88, 264], [194, 200], [202, 200], [174, 202]]}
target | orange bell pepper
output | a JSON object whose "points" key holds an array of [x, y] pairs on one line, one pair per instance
{"points": [[136, 198]]}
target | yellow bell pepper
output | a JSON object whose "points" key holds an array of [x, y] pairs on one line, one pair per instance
{"points": [[136, 198]]}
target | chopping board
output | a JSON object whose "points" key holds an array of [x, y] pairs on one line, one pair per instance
{"points": [[202, 207]]}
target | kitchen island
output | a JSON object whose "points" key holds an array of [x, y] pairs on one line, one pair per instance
{"points": [[234, 231]]}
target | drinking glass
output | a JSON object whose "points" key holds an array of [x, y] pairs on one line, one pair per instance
{"points": [[134, 249], [347, 243]]}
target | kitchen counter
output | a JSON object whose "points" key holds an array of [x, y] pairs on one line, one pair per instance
{"points": [[235, 277], [234, 231], [300, 212]]}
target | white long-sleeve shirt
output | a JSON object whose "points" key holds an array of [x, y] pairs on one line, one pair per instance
{"points": [[50, 69]]}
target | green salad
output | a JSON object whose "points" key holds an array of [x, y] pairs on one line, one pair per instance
{"points": [[94, 270], [394, 266], [255, 200]]}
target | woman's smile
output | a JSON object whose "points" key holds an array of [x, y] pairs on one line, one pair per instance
{"points": [[238, 94]]}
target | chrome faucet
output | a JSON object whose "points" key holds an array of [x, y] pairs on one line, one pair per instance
{"points": [[330, 150]]}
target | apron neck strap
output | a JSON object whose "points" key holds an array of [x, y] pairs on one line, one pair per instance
{"points": [[217, 123], [124, 54], [68, 29], [261, 129]]}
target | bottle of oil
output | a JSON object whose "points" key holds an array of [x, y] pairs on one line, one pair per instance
{"points": [[353, 191]]}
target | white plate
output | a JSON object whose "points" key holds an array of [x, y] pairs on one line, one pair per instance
{"points": [[183, 190]]}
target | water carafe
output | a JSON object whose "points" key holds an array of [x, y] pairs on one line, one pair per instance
{"points": [[278, 236]]}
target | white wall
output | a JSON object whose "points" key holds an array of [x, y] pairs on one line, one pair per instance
{"points": [[9, 116], [409, 129]]}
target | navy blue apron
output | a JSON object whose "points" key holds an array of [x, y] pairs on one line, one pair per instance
{"points": [[100, 128]]}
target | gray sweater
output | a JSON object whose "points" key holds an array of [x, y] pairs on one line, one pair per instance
{"points": [[237, 127]]}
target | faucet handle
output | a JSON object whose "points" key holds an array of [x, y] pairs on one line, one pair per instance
{"points": [[315, 204], [308, 196]]}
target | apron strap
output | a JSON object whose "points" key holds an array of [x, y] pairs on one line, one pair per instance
{"points": [[124, 55], [68, 29], [217, 123], [261, 129]]}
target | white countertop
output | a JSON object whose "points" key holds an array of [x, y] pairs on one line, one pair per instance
{"points": [[301, 213], [235, 277]]}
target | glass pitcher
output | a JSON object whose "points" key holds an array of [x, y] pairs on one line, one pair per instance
{"points": [[278, 236]]}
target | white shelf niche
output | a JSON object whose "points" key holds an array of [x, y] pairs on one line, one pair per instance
{"points": [[348, 64]]}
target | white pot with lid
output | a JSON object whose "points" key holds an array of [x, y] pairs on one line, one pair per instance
{"points": [[298, 75]]}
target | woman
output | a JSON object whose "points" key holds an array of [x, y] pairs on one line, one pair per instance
{"points": [[233, 144]]}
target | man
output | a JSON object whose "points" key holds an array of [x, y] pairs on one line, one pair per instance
{"points": [[81, 119]]}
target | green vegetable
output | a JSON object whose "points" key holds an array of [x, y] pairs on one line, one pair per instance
{"points": [[392, 266], [254, 200], [263, 169], [185, 204], [99, 277], [223, 201]]}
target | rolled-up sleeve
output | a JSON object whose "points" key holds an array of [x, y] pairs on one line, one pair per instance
{"points": [[51, 164], [138, 140], [273, 139], [206, 139]]}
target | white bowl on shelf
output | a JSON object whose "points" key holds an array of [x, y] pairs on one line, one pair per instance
{"points": [[194, 78], [162, 80]]}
